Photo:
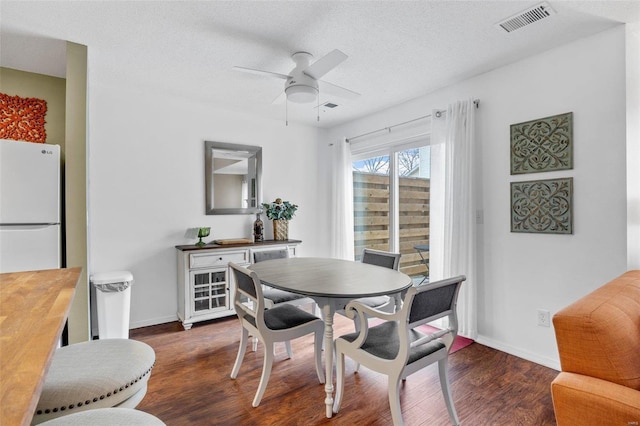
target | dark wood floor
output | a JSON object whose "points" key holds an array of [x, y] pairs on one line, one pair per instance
{"points": [[190, 384]]}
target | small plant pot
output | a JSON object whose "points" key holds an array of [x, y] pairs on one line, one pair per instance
{"points": [[281, 230]]}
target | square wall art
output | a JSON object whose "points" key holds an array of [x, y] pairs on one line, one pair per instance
{"points": [[542, 206], [542, 145], [22, 119]]}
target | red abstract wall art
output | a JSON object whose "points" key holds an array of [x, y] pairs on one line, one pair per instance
{"points": [[22, 119]]}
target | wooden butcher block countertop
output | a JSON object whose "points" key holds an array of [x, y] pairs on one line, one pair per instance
{"points": [[33, 311]]}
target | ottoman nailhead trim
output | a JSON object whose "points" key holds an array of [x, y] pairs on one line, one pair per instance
{"points": [[95, 399]]}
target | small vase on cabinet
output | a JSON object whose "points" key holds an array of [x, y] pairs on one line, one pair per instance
{"points": [[281, 229], [258, 229]]}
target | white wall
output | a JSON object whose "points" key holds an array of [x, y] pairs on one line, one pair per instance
{"points": [[146, 169], [520, 273]]}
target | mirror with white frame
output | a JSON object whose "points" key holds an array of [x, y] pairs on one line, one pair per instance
{"points": [[232, 178]]}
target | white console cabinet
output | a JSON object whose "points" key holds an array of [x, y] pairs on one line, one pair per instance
{"points": [[204, 282]]}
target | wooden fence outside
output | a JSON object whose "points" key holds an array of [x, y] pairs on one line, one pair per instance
{"points": [[371, 217]]}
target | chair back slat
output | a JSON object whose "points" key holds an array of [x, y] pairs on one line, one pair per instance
{"points": [[432, 303], [260, 256], [381, 258], [247, 298], [245, 283]]}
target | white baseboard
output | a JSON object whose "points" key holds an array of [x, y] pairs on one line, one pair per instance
{"points": [[547, 362], [153, 321]]}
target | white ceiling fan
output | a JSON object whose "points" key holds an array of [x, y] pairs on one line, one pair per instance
{"points": [[303, 83]]}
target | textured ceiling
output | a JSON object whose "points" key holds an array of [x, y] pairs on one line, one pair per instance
{"points": [[398, 50]]}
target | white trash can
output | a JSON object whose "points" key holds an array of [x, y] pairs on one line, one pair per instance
{"points": [[113, 301]]}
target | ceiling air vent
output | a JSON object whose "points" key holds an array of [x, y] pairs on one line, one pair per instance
{"points": [[326, 105], [526, 17]]}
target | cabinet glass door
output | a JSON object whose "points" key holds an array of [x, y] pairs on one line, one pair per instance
{"points": [[209, 291]]}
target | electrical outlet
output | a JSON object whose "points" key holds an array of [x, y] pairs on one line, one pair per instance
{"points": [[544, 318]]}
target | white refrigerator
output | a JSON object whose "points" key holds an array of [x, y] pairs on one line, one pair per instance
{"points": [[30, 234]]}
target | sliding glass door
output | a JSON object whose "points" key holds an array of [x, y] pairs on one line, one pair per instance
{"points": [[391, 193]]}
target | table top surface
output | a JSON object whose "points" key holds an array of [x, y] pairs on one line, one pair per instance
{"points": [[422, 247], [33, 310], [324, 277]]}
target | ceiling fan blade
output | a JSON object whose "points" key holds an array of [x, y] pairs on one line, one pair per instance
{"points": [[332, 89], [260, 72], [325, 64]]}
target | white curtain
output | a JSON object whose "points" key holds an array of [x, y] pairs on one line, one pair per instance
{"points": [[342, 202], [459, 227]]}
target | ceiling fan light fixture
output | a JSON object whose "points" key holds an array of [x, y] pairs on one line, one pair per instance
{"points": [[301, 94], [301, 85]]}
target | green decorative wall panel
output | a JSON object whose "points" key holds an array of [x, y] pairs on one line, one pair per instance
{"points": [[542, 206], [542, 145]]}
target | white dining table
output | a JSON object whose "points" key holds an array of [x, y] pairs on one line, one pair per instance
{"points": [[332, 283]]}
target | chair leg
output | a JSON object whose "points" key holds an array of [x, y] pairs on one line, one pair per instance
{"points": [[241, 350], [254, 344], [317, 347], [394, 401], [356, 324], [266, 372], [289, 351], [337, 400], [446, 392]]}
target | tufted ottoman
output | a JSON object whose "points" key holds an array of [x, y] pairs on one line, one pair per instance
{"points": [[107, 417], [96, 374]]}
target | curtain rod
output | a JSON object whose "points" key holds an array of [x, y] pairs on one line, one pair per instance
{"points": [[438, 114]]}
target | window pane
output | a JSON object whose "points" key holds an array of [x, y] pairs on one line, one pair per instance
{"points": [[371, 204], [413, 181], [200, 279]]}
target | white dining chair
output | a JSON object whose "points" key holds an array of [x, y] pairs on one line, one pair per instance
{"points": [[281, 323], [274, 296], [384, 259], [396, 348]]}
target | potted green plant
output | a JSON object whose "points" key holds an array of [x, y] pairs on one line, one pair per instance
{"points": [[280, 212]]}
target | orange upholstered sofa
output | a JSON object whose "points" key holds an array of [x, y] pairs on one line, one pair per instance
{"points": [[598, 340]]}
